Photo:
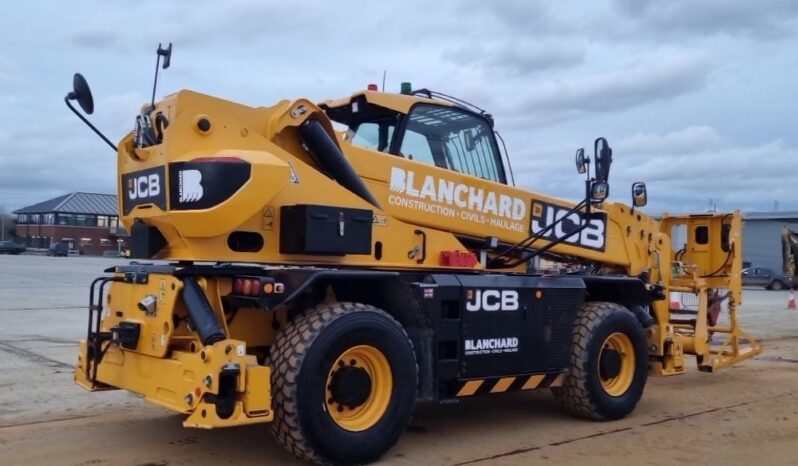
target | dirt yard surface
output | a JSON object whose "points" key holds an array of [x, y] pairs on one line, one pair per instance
{"points": [[747, 414]]}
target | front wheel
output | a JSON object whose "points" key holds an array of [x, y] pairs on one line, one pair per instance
{"points": [[609, 363], [344, 384], [776, 285]]}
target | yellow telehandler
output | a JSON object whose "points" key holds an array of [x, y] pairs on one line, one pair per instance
{"points": [[323, 266]]}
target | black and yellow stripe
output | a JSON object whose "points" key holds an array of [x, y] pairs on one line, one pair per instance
{"points": [[509, 384]]}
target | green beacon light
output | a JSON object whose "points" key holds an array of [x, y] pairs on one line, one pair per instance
{"points": [[406, 88]]}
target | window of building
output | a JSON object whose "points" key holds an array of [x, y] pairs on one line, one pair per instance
{"points": [[102, 221], [105, 241], [114, 222], [85, 241]]}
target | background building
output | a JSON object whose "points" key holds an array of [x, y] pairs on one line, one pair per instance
{"points": [[762, 237], [86, 222]]}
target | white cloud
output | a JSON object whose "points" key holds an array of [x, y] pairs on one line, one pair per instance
{"points": [[686, 141], [622, 88], [762, 18], [517, 58], [696, 97], [683, 169]]}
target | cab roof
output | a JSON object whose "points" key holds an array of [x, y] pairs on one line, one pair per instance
{"points": [[398, 102]]}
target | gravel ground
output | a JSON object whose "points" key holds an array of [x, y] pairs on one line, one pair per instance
{"points": [[748, 413]]}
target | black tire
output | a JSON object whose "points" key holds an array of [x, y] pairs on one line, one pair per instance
{"points": [[302, 358], [582, 393], [776, 285]]}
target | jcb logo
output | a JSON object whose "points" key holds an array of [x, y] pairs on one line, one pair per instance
{"points": [[593, 236], [492, 300], [144, 186]]}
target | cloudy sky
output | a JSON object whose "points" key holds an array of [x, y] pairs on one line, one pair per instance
{"points": [[697, 98]]}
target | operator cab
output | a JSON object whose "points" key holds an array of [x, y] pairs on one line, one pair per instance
{"points": [[420, 128]]}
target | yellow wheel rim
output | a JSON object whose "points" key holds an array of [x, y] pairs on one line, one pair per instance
{"points": [[617, 380], [359, 411]]}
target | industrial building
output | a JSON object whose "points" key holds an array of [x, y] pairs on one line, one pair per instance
{"points": [[762, 237]]}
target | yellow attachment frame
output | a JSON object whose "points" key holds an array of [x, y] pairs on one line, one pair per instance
{"points": [[707, 268]]}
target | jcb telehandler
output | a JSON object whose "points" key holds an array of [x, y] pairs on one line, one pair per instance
{"points": [[326, 279]]}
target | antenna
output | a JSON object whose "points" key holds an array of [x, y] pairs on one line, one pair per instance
{"points": [[166, 53], [384, 72]]}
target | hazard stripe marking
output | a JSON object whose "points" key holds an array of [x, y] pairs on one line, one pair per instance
{"points": [[470, 387], [558, 381], [502, 385], [533, 382]]}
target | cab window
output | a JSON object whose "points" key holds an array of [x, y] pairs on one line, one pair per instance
{"points": [[454, 139], [376, 135], [415, 146]]}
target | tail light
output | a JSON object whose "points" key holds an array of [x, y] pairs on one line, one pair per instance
{"points": [[254, 287]]}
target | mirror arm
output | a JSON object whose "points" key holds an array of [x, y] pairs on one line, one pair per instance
{"points": [[88, 123]]}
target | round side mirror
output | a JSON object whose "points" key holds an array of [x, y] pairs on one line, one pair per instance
{"points": [[581, 161], [82, 93]]}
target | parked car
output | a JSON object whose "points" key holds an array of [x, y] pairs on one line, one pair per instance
{"points": [[10, 247], [58, 249], [760, 276]]}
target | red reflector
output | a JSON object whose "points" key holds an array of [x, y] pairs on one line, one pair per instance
{"points": [[219, 160], [254, 288], [458, 259], [247, 286], [372, 87]]}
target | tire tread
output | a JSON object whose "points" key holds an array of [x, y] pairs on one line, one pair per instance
{"points": [[574, 395], [287, 356]]}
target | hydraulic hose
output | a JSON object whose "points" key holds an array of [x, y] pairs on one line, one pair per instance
{"points": [[200, 314]]}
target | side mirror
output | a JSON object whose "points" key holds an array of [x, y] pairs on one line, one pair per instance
{"points": [[599, 191], [81, 93], [470, 143], [581, 161], [603, 157], [639, 194]]}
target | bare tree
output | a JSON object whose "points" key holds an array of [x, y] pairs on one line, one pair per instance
{"points": [[7, 225]]}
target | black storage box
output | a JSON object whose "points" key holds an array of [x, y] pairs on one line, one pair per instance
{"points": [[321, 229]]}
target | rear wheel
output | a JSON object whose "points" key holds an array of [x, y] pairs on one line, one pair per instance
{"points": [[344, 384], [776, 285], [609, 363]]}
